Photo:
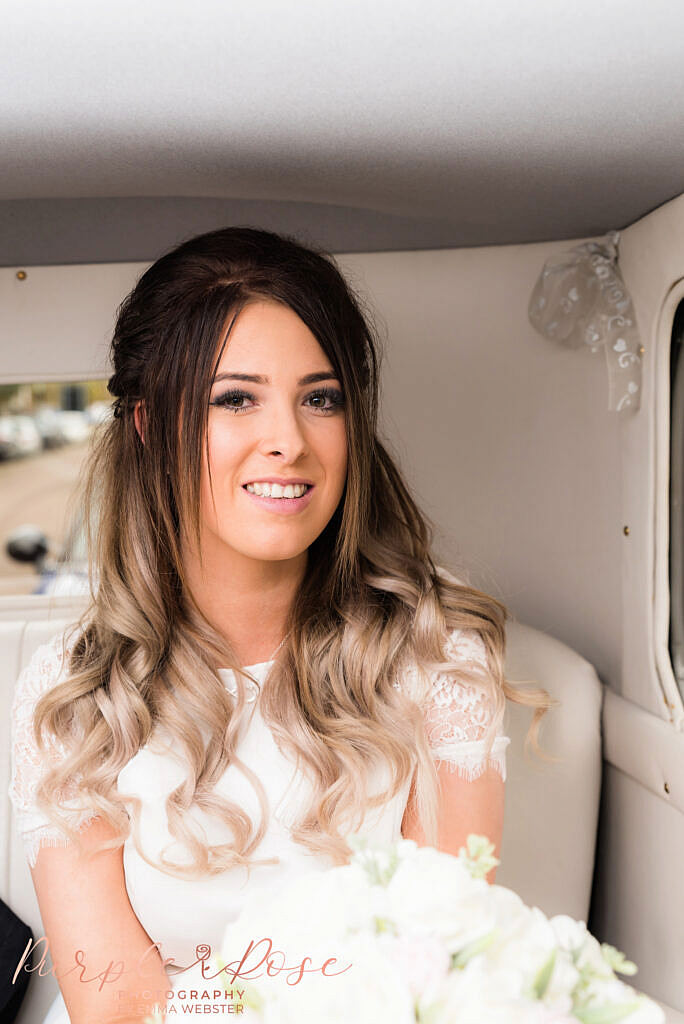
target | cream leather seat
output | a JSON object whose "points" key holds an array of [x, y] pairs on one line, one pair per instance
{"points": [[552, 808]]}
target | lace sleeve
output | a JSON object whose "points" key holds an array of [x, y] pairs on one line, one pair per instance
{"points": [[460, 716], [29, 764]]}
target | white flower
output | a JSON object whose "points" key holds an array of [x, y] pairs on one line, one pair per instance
{"points": [[308, 911], [423, 961], [611, 992], [371, 992], [527, 941], [433, 892], [478, 995], [647, 1012], [575, 939], [557, 996], [570, 934]]}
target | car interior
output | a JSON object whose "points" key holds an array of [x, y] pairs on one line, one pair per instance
{"points": [[503, 186]]}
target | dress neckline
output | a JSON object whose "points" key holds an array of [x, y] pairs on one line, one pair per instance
{"points": [[259, 670]]}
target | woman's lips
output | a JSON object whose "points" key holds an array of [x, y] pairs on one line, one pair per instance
{"points": [[282, 506]]}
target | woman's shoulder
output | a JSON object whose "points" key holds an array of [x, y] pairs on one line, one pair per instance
{"points": [[464, 679], [462, 646], [47, 667], [461, 702], [465, 645]]}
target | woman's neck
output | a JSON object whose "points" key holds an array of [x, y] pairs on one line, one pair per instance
{"points": [[246, 601]]}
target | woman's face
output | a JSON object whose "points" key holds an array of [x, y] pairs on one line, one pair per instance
{"points": [[276, 420]]}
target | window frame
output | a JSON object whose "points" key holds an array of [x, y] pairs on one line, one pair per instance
{"points": [[673, 696]]}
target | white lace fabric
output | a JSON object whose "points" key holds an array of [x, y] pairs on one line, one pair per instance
{"points": [[459, 715], [458, 719], [29, 764]]}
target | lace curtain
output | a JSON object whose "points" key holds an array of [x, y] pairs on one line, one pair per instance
{"points": [[580, 299]]}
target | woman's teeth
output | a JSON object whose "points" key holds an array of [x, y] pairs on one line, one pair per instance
{"points": [[277, 490]]}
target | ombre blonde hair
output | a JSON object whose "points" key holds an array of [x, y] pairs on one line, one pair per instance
{"points": [[372, 602]]}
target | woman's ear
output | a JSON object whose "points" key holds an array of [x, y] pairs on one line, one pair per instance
{"points": [[139, 419]]}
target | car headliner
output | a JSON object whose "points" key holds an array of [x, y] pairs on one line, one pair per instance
{"points": [[362, 126]]}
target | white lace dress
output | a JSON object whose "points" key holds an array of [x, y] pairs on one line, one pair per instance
{"points": [[184, 914]]}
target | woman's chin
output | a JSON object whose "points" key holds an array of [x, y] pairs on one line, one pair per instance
{"points": [[276, 552]]}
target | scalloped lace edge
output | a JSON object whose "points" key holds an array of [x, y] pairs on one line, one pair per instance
{"points": [[470, 760], [49, 835]]}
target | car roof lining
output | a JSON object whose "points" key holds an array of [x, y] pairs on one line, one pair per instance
{"points": [[384, 126]]}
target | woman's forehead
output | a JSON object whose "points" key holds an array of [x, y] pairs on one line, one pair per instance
{"points": [[267, 334]]}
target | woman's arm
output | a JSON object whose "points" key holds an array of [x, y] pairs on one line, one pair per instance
{"points": [[471, 772], [465, 806], [85, 907]]}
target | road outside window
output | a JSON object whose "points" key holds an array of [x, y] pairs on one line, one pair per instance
{"points": [[45, 432]]}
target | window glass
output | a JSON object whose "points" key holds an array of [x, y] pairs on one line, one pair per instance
{"points": [[677, 498], [45, 432]]}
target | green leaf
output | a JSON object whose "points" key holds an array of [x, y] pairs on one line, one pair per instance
{"points": [[616, 960], [606, 1014], [369, 858], [384, 924], [472, 949], [541, 982], [252, 998], [478, 855], [427, 1014]]}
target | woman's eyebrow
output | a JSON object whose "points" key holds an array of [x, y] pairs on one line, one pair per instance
{"points": [[252, 378]]}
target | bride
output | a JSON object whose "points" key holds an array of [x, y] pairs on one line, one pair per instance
{"points": [[271, 661]]}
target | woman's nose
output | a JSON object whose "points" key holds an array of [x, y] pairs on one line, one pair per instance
{"points": [[284, 433]]}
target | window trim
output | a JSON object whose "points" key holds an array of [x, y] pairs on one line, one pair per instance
{"points": [[661, 532]]}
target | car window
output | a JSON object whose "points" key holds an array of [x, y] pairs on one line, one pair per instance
{"points": [[677, 498], [45, 433]]}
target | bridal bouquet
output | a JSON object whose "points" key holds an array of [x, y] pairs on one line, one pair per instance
{"points": [[406, 934]]}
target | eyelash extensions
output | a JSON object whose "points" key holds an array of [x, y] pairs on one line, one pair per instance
{"points": [[333, 395]]}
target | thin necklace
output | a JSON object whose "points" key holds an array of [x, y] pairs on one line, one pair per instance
{"points": [[255, 687], [280, 645]]}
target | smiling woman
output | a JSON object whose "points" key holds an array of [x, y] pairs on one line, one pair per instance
{"points": [[285, 433], [271, 661]]}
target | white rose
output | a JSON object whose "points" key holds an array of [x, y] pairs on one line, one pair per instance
{"points": [[423, 961], [647, 1013], [571, 934], [526, 943], [612, 991], [558, 995], [434, 893], [308, 915], [371, 992], [481, 995]]}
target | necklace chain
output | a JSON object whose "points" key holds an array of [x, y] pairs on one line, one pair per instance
{"points": [[279, 645]]}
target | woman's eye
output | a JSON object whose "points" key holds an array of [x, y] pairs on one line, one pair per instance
{"points": [[233, 400], [326, 399]]}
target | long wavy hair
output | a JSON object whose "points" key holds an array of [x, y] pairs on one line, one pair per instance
{"points": [[372, 602]]}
